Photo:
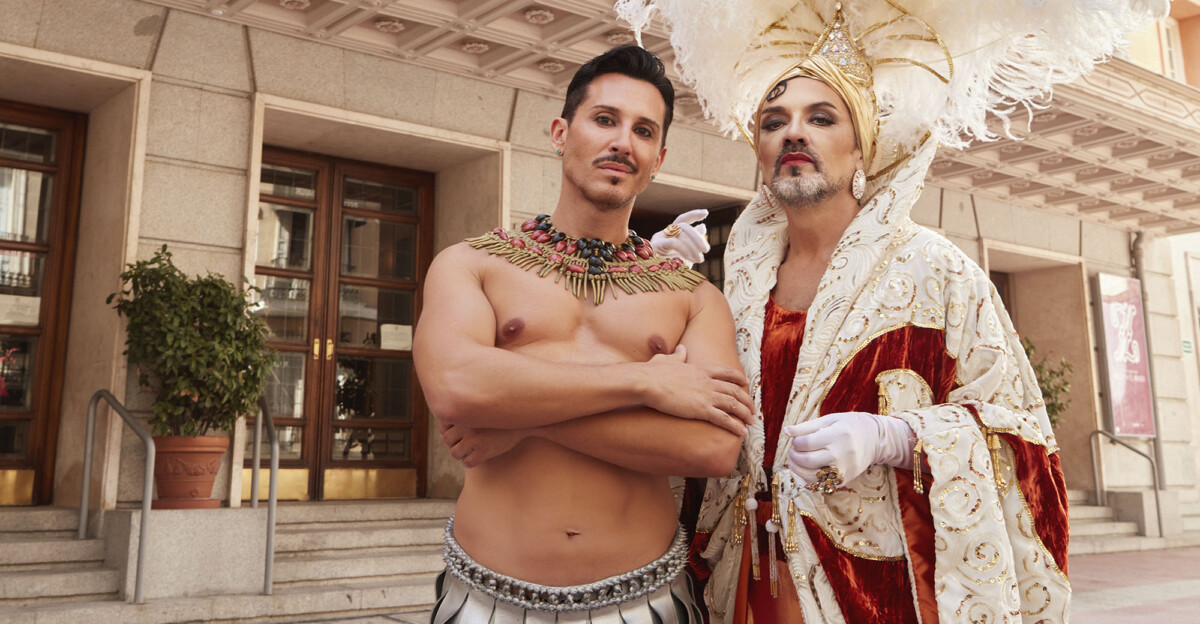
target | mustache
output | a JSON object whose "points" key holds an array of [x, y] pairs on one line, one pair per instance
{"points": [[798, 149], [617, 158]]}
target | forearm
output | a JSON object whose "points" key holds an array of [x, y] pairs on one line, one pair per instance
{"points": [[647, 441], [499, 389]]}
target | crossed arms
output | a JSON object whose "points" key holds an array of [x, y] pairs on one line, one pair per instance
{"points": [[682, 414]]}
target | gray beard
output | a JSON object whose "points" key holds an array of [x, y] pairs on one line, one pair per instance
{"points": [[803, 191]]}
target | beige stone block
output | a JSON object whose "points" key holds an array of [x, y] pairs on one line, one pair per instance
{"points": [[174, 130], [298, 69], [197, 260], [527, 183], [996, 222], [1174, 420], [21, 21], [728, 162], [471, 106], [958, 214], [224, 130], [193, 205], [927, 210], [1124, 469], [1062, 232], [685, 152], [465, 210], [1096, 267], [531, 120], [1169, 378], [551, 188], [1104, 244], [117, 31], [1179, 464], [389, 88], [1157, 252], [1160, 294], [1164, 335], [969, 246], [203, 50]]}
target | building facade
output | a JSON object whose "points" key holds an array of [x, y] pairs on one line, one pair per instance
{"points": [[325, 150]]}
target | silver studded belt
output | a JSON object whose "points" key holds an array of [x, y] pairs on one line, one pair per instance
{"points": [[612, 590]]}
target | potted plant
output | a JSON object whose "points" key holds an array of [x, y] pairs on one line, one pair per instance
{"points": [[197, 342]]}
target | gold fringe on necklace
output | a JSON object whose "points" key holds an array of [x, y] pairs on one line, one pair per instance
{"points": [[588, 269]]}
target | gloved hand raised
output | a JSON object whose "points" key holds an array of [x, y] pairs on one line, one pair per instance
{"points": [[689, 242], [850, 442]]}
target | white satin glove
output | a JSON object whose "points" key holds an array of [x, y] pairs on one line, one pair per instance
{"points": [[691, 243], [850, 442]]}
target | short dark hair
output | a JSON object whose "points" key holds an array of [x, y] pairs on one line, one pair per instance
{"points": [[627, 60]]}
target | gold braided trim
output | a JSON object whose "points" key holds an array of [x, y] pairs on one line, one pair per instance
{"points": [[650, 275]]}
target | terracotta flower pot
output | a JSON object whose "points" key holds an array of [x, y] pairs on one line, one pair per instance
{"points": [[185, 469]]}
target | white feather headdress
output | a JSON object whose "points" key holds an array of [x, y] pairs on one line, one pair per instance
{"points": [[940, 67]]}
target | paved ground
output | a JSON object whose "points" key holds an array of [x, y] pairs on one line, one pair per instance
{"points": [[1149, 586], [1144, 587]]}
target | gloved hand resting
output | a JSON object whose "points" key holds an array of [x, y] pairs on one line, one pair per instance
{"points": [[850, 442], [691, 243]]}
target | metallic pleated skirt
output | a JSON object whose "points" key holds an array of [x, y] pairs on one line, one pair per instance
{"points": [[670, 604], [658, 593]]}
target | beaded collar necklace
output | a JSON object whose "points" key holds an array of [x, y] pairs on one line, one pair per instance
{"points": [[588, 267]]}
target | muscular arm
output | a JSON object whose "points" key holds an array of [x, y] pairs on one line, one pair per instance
{"points": [[468, 381], [643, 439]]}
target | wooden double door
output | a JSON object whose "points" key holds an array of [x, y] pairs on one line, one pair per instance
{"points": [[41, 159], [341, 253]]}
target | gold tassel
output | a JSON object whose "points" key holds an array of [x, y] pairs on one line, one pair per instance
{"points": [[792, 545], [995, 448], [772, 536], [918, 484]]}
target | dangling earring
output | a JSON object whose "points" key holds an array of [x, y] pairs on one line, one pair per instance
{"points": [[858, 185]]}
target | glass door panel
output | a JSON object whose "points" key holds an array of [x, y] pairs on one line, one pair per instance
{"points": [[41, 154]]}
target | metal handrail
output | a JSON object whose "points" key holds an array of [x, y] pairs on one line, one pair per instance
{"points": [[1101, 497], [147, 480], [264, 415]]}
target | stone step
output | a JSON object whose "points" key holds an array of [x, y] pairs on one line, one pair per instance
{"points": [[337, 567], [29, 586], [25, 536], [1090, 512], [1097, 528], [364, 511], [298, 604], [407, 533], [1079, 497], [50, 551], [1098, 545], [38, 519]]}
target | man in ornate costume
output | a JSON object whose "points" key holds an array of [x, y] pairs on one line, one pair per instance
{"points": [[573, 370], [902, 467]]}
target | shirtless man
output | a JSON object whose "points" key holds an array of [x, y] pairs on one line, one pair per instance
{"points": [[573, 371]]}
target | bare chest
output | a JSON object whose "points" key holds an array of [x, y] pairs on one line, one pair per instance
{"points": [[541, 317]]}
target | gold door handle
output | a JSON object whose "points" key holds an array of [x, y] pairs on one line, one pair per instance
{"points": [[316, 348], [329, 349]]}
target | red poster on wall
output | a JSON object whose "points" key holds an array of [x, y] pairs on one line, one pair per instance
{"points": [[1126, 360]]}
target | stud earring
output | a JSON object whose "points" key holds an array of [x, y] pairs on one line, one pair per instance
{"points": [[858, 185], [558, 152], [653, 175]]}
